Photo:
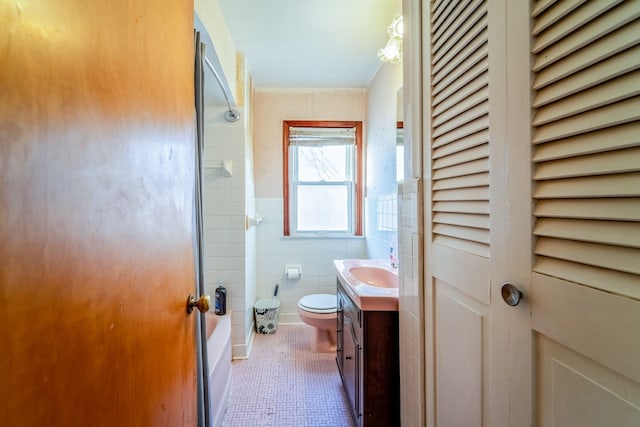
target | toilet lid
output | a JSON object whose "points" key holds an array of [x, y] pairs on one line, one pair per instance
{"points": [[319, 303]]}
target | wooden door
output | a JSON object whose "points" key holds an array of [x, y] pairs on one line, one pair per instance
{"points": [[585, 288], [477, 221], [538, 188], [96, 195]]}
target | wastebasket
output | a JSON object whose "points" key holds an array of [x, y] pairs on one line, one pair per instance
{"points": [[266, 311]]}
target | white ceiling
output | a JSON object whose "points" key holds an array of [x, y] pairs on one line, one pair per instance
{"points": [[310, 43]]}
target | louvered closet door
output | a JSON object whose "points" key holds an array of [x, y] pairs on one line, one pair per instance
{"points": [[586, 154], [473, 350]]}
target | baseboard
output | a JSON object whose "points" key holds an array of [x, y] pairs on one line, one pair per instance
{"points": [[242, 351]]}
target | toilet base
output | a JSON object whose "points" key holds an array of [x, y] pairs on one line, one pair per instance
{"points": [[322, 340]]}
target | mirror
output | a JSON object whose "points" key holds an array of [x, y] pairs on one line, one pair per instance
{"points": [[399, 136]]}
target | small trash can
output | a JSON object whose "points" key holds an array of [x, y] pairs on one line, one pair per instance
{"points": [[266, 311]]}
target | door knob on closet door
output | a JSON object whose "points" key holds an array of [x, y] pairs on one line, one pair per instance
{"points": [[202, 304], [510, 294]]}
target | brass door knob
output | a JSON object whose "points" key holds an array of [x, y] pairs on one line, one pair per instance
{"points": [[202, 304]]}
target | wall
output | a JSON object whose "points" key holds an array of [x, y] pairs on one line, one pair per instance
{"points": [[411, 250], [381, 211], [224, 211], [273, 250], [230, 247], [211, 16]]}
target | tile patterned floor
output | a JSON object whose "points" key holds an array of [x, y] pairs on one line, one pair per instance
{"points": [[284, 383]]}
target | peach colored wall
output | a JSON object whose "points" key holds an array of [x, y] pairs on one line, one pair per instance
{"points": [[274, 106]]}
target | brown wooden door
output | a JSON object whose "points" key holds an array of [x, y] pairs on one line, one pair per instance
{"points": [[96, 195]]}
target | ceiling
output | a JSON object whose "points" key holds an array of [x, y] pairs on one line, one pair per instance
{"points": [[310, 43]]}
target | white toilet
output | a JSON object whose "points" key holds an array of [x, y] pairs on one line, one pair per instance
{"points": [[320, 312]]}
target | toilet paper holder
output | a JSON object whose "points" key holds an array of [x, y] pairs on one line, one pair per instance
{"points": [[293, 271]]}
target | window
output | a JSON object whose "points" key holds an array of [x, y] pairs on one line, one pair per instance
{"points": [[322, 178]]}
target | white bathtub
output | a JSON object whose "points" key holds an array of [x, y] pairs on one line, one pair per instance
{"points": [[219, 358]]}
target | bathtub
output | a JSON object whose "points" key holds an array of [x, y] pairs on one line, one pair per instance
{"points": [[219, 358]]}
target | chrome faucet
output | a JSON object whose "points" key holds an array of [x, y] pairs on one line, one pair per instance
{"points": [[393, 261]]}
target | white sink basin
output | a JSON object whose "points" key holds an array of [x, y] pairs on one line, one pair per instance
{"points": [[371, 284]]}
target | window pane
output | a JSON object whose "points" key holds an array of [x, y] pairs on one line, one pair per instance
{"points": [[323, 208], [322, 163]]}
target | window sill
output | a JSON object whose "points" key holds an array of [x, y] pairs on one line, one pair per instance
{"points": [[322, 237]]}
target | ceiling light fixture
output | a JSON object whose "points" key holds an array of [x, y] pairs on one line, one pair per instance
{"points": [[392, 51]]}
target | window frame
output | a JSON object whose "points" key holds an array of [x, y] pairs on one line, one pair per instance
{"points": [[358, 173]]}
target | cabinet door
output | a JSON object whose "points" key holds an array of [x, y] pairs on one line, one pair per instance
{"points": [[351, 365], [340, 333]]}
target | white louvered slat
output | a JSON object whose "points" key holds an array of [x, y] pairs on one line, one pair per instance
{"points": [[472, 38], [466, 19], [477, 180], [477, 235], [474, 193], [618, 137], [618, 185], [472, 54], [617, 282], [554, 14], [620, 209], [587, 144], [542, 5], [470, 141], [480, 249], [597, 255], [476, 166], [477, 72], [441, 11], [618, 161], [467, 206], [466, 116], [624, 62], [603, 48], [463, 104], [460, 123], [461, 157], [621, 112], [589, 11], [589, 33], [614, 90], [477, 125], [467, 220], [458, 94], [608, 232]]}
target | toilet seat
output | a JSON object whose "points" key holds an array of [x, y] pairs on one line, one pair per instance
{"points": [[319, 303]]}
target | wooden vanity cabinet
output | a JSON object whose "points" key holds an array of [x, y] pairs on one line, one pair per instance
{"points": [[368, 360]]}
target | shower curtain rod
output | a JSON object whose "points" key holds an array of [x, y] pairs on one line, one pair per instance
{"points": [[230, 115]]}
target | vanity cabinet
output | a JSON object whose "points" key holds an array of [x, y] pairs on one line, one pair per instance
{"points": [[368, 360]]}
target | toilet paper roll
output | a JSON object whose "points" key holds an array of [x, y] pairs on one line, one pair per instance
{"points": [[293, 273]]}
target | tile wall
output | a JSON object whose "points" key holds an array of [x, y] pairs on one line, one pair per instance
{"points": [[225, 245], [411, 310], [315, 255], [382, 226]]}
